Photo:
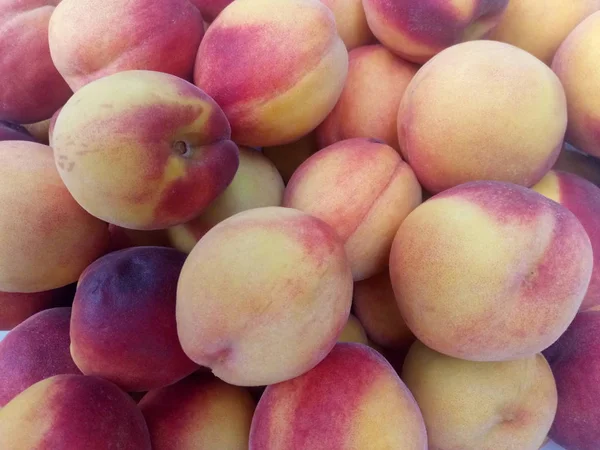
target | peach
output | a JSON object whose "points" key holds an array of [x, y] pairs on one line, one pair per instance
{"points": [[418, 30], [256, 184], [40, 131], [73, 412], [353, 331], [576, 162], [575, 362], [198, 412], [122, 238], [490, 271], [582, 198], [353, 399], [32, 89], [482, 110], [90, 40], [15, 307], [363, 189], [47, 238], [302, 64], [281, 309], [210, 9], [368, 106], [288, 157], [123, 324], [575, 63], [540, 27], [143, 150], [375, 306], [351, 22], [14, 132], [35, 350], [481, 405]]}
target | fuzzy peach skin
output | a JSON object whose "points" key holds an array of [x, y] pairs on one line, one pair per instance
{"points": [[143, 150], [576, 162], [582, 198], [302, 64], [481, 405], [40, 131], [123, 325], [576, 63], [351, 22], [490, 271], [73, 412], [283, 310], [482, 110], [31, 88], [288, 157], [352, 400], [14, 132], [353, 331], [540, 27], [256, 184], [15, 307], [419, 29], [199, 412], [375, 306], [47, 238], [210, 9], [90, 40], [35, 350], [575, 362], [368, 106], [364, 190]]}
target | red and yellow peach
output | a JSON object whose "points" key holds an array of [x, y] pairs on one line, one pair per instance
{"points": [[351, 22]]}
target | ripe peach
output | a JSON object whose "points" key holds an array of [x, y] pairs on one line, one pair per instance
{"points": [[364, 190], [31, 88], [481, 405], [417, 30], [375, 306], [353, 331], [35, 350], [282, 311], [575, 63], [256, 184], [575, 362], [582, 198], [90, 40], [368, 106], [14, 132], [47, 238], [143, 150], [302, 64], [288, 157], [490, 271], [351, 22], [540, 27], [73, 412], [353, 399], [198, 412], [482, 110], [123, 323]]}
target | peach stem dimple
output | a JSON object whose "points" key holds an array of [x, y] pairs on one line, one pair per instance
{"points": [[181, 148]]}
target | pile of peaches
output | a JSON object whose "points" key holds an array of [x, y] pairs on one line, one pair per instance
{"points": [[299, 224]]}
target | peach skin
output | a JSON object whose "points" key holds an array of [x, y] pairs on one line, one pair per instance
{"points": [[351, 22], [143, 150], [540, 27], [40, 131], [91, 40], [288, 157], [123, 324], [352, 400], [31, 88], [210, 9], [73, 412], [256, 184], [35, 350], [490, 271], [47, 238], [419, 29], [582, 198], [363, 189], [284, 309], [368, 106], [505, 405], [353, 331], [302, 64], [199, 412], [576, 63], [482, 110]]}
